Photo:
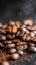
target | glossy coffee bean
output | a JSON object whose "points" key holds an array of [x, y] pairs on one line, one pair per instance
{"points": [[15, 56], [5, 63], [28, 22], [10, 45], [20, 52], [12, 50]]}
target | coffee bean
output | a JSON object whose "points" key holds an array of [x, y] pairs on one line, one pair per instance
{"points": [[1, 25], [10, 45], [1, 45], [15, 56], [5, 63], [31, 44], [18, 24], [22, 47], [2, 37], [11, 23], [21, 43], [12, 50], [28, 22], [32, 34], [20, 52], [32, 49], [7, 42]]}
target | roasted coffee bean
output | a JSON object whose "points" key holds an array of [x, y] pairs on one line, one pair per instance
{"points": [[21, 43], [12, 29], [10, 36], [31, 44], [22, 47], [11, 23], [3, 31], [32, 34], [4, 26], [1, 25], [1, 44], [18, 24], [14, 56], [20, 52], [15, 40], [25, 30], [18, 33], [33, 39], [7, 42], [28, 22], [10, 45], [30, 27], [28, 37], [12, 50], [5, 63], [32, 48], [0, 30], [2, 37], [24, 37]]}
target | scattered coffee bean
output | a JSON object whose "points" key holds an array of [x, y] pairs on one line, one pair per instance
{"points": [[16, 39]]}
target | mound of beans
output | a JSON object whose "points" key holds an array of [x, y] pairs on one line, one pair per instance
{"points": [[16, 38]]}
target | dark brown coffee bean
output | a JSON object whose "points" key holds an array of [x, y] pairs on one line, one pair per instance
{"points": [[33, 39], [18, 24], [12, 50], [20, 52], [3, 31], [10, 45], [28, 37], [5, 63], [25, 30], [28, 22], [22, 47], [12, 29], [11, 22], [15, 56], [24, 37], [15, 40], [30, 27], [1, 25], [7, 42], [32, 34], [2, 37], [0, 30], [31, 44], [32, 48], [1, 44], [21, 43], [9, 36]]}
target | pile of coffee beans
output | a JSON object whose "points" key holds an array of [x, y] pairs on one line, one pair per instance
{"points": [[16, 39]]}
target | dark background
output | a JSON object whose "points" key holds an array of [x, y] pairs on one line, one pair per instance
{"points": [[17, 10]]}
